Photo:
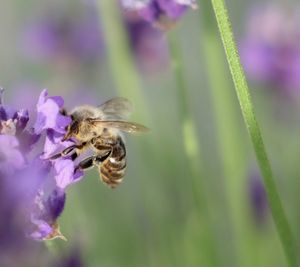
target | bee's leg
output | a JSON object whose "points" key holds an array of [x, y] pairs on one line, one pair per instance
{"points": [[100, 158], [74, 149], [85, 164], [65, 152], [91, 161]]}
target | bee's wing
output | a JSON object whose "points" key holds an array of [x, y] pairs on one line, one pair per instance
{"points": [[117, 108], [125, 126]]}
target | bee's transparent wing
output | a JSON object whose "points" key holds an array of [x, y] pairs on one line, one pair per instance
{"points": [[117, 108], [125, 126]]}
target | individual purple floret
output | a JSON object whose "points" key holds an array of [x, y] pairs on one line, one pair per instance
{"points": [[45, 216], [50, 120], [48, 114], [270, 50], [258, 198], [162, 13]]}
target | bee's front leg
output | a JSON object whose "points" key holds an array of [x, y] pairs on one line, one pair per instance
{"points": [[72, 151]]}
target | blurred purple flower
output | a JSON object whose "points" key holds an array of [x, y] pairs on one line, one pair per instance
{"points": [[162, 13], [32, 187], [10, 157], [258, 198], [270, 51], [12, 239], [147, 43], [74, 259], [65, 37]]}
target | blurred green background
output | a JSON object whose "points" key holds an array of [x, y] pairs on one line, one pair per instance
{"points": [[173, 208]]}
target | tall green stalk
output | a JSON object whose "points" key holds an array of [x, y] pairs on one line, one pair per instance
{"points": [[126, 79], [121, 61], [245, 101], [232, 148], [192, 153]]}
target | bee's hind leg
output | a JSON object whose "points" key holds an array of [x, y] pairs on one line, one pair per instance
{"points": [[85, 164], [90, 162]]}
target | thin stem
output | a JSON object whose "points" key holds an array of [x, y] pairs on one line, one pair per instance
{"points": [[121, 61], [246, 105], [228, 132], [127, 82], [192, 150]]}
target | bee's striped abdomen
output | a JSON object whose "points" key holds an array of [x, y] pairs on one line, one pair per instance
{"points": [[112, 169]]}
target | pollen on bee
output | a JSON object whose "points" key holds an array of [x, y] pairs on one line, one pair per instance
{"points": [[112, 160]]}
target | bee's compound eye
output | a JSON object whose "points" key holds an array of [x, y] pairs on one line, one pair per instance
{"points": [[73, 127], [63, 112]]}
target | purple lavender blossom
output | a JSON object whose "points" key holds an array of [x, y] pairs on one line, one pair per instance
{"points": [[147, 43], [12, 239], [48, 114], [32, 187], [270, 51], [50, 119], [44, 218], [162, 13], [36, 184], [258, 198], [65, 37], [53, 123]]}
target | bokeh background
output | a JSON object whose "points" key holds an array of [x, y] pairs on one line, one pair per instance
{"points": [[192, 195]]}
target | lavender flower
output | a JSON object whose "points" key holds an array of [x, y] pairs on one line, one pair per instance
{"points": [[162, 13], [45, 216], [270, 50], [48, 114], [35, 184]]}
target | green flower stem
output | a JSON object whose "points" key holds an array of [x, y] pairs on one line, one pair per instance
{"points": [[245, 101], [127, 81], [192, 153], [121, 61], [231, 145]]}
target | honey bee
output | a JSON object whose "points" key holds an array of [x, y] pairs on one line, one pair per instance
{"points": [[100, 129]]}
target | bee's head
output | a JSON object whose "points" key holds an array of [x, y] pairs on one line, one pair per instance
{"points": [[72, 130]]}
